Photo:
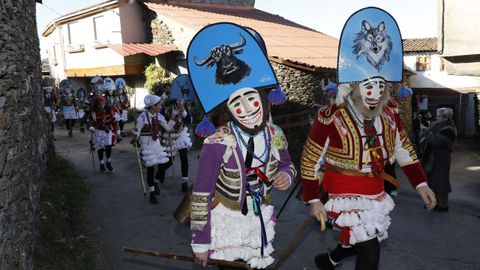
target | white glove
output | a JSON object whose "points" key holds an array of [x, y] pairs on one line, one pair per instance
{"points": [[118, 133], [91, 129]]}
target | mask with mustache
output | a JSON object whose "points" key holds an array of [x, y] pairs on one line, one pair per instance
{"points": [[246, 108]]}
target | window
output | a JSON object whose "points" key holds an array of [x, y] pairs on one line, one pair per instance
{"points": [[423, 63], [75, 40], [100, 32]]}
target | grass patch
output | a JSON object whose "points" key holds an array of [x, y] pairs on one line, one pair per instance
{"points": [[64, 241]]}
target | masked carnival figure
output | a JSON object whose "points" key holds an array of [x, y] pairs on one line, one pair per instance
{"points": [[360, 134], [246, 157], [82, 104], [96, 84], [104, 131], [178, 139], [68, 105], [147, 134], [123, 102], [50, 103]]}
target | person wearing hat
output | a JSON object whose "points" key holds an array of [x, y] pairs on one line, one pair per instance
{"points": [[68, 105], [123, 102], [147, 133], [178, 139], [365, 132], [244, 159], [104, 128]]}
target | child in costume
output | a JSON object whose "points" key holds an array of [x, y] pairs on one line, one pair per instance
{"points": [[147, 132], [104, 129]]}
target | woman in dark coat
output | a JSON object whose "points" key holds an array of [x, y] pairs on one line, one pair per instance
{"points": [[438, 144]]}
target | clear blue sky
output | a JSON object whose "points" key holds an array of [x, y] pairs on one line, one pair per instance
{"points": [[416, 18]]}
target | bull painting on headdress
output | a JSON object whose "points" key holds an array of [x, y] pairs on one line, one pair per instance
{"points": [[229, 68]]}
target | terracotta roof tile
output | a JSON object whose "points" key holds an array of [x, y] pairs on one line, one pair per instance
{"points": [[420, 45], [127, 49], [285, 40]]}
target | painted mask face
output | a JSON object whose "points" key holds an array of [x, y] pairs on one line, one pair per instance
{"points": [[372, 90], [245, 105]]}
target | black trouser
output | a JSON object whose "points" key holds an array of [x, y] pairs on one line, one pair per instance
{"points": [[69, 123], [183, 159], [368, 254], [150, 174], [108, 150], [121, 124]]}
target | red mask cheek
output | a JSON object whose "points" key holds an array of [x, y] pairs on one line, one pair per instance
{"points": [[256, 104], [238, 111]]}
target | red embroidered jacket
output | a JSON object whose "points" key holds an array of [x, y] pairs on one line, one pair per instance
{"points": [[103, 120], [346, 146]]}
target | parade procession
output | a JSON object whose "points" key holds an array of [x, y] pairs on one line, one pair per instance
{"points": [[215, 134]]}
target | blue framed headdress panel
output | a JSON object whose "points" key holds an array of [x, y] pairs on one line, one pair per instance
{"points": [[223, 58], [182, 88], [370, 46]]}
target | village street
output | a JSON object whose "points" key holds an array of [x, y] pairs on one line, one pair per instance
{"points": [[121, 216]]}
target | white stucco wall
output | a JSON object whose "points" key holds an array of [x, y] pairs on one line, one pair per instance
{"points": [[460, 36], [55, 56], [85, 35], [435, 78]]}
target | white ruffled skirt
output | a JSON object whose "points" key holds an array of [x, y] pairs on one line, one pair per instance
{"points": [[101, 138], [69, 112], [361, 217], [176, 141], [51, 114], [153, 152], [238, 237]]}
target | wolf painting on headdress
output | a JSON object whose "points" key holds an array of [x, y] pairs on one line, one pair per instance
{"points": [[374, 43]]}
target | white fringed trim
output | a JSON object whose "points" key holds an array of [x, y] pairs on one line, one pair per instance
{"points": [[367, 216], [152, 152], [124, 116], [235, 236], [343, 91], [101, 138]]}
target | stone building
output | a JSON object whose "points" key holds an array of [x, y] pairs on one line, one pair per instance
{"points": [[23, 133]]}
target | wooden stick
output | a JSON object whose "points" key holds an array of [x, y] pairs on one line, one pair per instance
{"points": [[293, 243], [239, 265], [141, 170]]}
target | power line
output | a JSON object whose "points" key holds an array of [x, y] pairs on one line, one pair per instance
{"points": [[51, 9]]}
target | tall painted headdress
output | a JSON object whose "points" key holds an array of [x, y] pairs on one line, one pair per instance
{"points": [[223, 58], [370, 47], [182, 88]]}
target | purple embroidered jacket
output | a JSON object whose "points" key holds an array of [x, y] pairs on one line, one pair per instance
{"points": [[221, 176]]}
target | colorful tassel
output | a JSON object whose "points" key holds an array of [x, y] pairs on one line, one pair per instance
{"points": [[205, 128], [331, 89], [404, 92], [277, 96]]}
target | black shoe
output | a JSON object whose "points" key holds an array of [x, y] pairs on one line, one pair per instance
{"points": [[70, 133], [102, 168], [438, 208], [157, 189], [82, 130], [184, 186], [123, 134], [322, 261], [109, 167], [160, 176], [153, 198]]}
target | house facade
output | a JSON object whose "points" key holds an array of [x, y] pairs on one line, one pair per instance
{"points": [[434, 87], [304, 59]]}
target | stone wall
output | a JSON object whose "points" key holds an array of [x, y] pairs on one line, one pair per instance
{"points": [[303, 88], [161, 34], [23, 132]]}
